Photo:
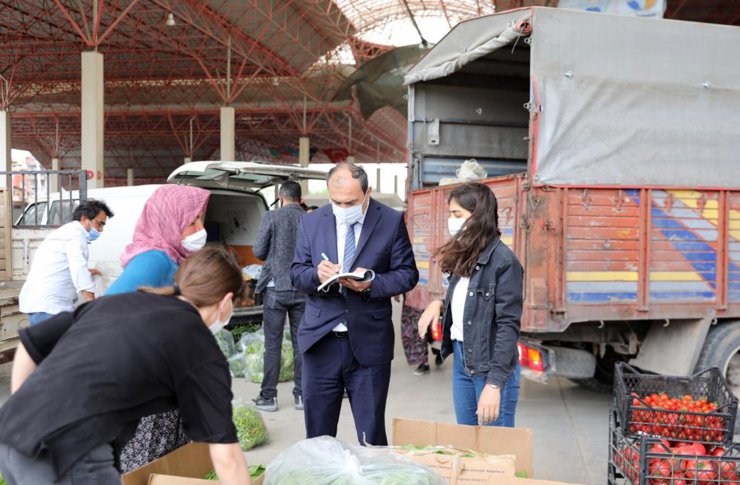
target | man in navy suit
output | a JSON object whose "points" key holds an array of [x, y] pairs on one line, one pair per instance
{"points": [[346, 335]]}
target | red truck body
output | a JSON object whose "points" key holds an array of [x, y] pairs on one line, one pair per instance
{"points": [[601, 254]]}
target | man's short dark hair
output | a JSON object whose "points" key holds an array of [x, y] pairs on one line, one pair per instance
{"points": [[290, 191], [90, 209], [356, 171]]}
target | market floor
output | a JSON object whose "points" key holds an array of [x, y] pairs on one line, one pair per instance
{"points": [[569, 424]]}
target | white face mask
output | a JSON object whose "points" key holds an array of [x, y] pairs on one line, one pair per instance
{"points": [[455, 224], [219, 324], [195, 241], [348, 215]]}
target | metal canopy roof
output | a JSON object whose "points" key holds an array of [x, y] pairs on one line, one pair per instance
{"points": [[164, 83]]}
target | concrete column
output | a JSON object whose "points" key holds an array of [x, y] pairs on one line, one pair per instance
{"points": [[350, 159], [377, 181], [6, 206], [228, 139], [129, 177], [93, 113], [54, 179], [304, 157], [6, 161], [187, 160]]}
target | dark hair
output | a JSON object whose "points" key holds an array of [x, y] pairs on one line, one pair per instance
{"points": [[356, 171], [204, 278], [460, 254], [290, 191], [90, 209]]}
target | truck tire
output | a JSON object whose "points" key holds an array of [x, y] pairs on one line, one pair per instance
{"points": [[722, 350]]}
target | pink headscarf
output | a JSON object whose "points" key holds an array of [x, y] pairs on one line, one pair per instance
{"points": [[169, 210]]}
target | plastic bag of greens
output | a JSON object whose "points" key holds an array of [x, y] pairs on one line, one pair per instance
{"points": [[325, 460], [225, 342], [286, 361], [252, 342], [236, 365], [250, 427], [253, 346]]}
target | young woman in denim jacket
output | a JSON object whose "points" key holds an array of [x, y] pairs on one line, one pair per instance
{"points": [[481, 313]]}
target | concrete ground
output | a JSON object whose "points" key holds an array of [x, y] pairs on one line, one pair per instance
{"points": [[569, 424]]}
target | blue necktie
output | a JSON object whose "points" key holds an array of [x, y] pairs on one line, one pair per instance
{"points": [[349, 249]]}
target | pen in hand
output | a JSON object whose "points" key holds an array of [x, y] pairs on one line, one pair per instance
{"points": [[326, 258]]}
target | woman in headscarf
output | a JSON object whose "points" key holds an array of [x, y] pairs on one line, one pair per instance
{"points": [[169, 229]]}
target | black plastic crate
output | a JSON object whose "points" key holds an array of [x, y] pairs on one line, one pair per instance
{"points": [[649, 461], [636, 417]]}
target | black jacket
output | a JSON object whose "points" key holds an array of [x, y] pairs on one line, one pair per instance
{"points": [[275, 246], [492, 315]]}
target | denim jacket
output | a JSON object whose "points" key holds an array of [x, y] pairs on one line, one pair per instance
{"points": [[492, 314]]}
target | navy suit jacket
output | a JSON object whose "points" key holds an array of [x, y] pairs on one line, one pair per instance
{"points": [[385, 248]]}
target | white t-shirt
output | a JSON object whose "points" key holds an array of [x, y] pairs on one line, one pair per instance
{"points": [[457, 306]]}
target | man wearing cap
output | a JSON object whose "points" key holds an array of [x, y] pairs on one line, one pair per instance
{"points": [[275, 245]]}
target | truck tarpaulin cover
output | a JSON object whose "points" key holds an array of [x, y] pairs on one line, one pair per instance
{"points": [[622, 101]]}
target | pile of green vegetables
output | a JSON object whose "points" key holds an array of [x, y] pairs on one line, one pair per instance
{"points": [[2, 480], [250, 427]]}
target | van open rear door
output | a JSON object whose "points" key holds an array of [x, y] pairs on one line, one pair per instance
{"points": [[252, 176]]}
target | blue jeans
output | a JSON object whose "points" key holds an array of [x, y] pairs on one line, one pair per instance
{"points": [[35, 318], [466, 390]]}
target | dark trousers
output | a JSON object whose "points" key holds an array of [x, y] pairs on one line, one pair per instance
{"points": [[328, 368], [95, 467], [276, 305]]}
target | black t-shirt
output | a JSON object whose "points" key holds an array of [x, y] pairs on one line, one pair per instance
{"points": [[110, 363]]}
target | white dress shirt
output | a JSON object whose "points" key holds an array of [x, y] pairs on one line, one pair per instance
{"points": [[341, 240], [459, 297], [58, 272]]}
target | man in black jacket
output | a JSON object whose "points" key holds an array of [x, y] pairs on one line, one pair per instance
{"points": [[275, 246]]}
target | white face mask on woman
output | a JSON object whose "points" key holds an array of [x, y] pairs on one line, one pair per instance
{"points": [[455, 225], [195, 241], [219, 324]]}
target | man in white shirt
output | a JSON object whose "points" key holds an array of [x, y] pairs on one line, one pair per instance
{"points": [[59, 269]]}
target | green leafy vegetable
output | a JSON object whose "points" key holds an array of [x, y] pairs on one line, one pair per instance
{"points": [[236, 365], [211, 475], [256, 470], [250, 427], [253, 346], [225, 342]]}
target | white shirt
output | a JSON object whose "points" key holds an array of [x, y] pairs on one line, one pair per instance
{"points": [[341, 240], [58, 272], [458, 308]]}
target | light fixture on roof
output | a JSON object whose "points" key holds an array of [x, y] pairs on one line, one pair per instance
{"points": [[170, 22]]}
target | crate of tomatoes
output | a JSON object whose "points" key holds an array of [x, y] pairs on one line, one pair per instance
{"points": [[698, 408], [654, 461]]}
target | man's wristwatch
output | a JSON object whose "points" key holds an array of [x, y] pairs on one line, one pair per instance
{"points": [[493, 386]]}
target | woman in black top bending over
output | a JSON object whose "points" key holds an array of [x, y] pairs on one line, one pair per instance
{"points": [[82, 380]]}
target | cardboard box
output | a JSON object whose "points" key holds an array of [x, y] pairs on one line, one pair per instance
{"points": [[485, 439], [184, 466], [191, 461], [461, 470], [170, 480]]}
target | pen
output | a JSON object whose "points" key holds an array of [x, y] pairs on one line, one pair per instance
{"points": [[326, 258]]}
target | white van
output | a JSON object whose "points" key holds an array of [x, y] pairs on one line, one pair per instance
{"points": [[235, 211]]}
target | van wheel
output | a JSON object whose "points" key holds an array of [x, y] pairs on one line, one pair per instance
{"points": [[603, 379]]}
